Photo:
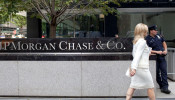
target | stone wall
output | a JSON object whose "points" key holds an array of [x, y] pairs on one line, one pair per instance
{"points": [[67, 78]]}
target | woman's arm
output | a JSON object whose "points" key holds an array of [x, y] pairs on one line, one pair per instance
{"points": [[139, 50]]}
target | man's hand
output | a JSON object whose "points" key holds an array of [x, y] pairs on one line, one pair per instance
{"points": [[133, 71], [159, 52], [164, 52]]}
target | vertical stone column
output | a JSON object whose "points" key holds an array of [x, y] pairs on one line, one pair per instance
{"points": [[110, 25], [34, 26]]}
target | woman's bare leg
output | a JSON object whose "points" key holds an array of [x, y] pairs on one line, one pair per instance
{"points": [[129, 93], [151, 94]]}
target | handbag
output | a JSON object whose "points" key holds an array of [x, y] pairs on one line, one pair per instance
{"points": [[128, 72]]}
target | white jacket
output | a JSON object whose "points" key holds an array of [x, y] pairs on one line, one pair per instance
{"points": [[140, 54]]}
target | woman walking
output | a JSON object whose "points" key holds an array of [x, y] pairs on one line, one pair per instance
{"points": [[140, 75]]}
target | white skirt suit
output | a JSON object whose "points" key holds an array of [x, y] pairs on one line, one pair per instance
{"points": [[142, 78]]}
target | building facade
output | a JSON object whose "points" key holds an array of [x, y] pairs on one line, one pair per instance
{"points": [[150, 12]]}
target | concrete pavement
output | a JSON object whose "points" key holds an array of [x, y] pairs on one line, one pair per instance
{"points": [[159, 94], [81, 99]]}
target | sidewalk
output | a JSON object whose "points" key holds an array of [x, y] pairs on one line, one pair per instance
{"points": [[79, 99], [159, 94]]}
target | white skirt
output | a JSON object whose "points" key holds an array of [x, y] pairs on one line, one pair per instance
{"points": [[142, 79]]}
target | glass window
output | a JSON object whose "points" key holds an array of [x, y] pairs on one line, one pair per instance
{"points": [[164, 21], [79, 27]]}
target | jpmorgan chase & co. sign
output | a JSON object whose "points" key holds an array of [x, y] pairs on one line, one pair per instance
{"points": [[67, 45]]}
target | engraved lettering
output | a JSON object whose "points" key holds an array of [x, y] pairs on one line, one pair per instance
{"points": [[60, 45]]}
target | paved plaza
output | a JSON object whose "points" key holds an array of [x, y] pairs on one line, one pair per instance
{"points": [[81, 99], [171, 87], [159, 95]]}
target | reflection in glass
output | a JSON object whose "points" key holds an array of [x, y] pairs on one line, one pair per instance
{"points": [[82, 26]]}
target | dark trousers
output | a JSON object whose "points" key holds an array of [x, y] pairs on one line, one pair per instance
{"points": [[161, 72]]}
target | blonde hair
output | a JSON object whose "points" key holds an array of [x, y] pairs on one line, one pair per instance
{"points": [[140, 32]]}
